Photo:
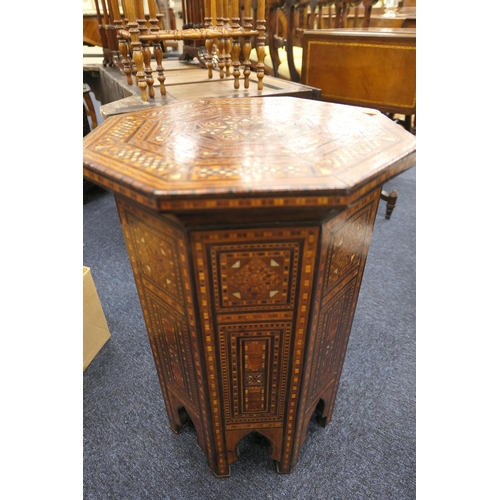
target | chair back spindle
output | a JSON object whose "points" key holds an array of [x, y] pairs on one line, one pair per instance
{"points": [[103, 35], [225, 38]]}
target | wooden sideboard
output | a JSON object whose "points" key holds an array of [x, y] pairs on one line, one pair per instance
{"points": [[248, 223], [373, 67]]}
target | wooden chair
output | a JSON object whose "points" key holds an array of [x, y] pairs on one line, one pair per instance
{"points": [[289, 19], [88, 112], [100, 27], [88, 106], [193, 17]]}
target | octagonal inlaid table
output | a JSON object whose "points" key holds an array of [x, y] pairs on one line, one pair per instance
{"points": [[247, 222]]}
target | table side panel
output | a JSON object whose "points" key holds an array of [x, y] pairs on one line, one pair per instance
{"points": [[159, 259], [345, 243], [254, 288]]}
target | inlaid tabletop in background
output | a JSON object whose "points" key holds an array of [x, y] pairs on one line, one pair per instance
{"points": [[222, 152], [183, 80]]}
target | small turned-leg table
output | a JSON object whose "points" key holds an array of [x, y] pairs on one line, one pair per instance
{"points": [[247, 223]]}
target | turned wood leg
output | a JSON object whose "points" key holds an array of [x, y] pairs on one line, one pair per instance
{"points": [[209, 57], [236, 63], [391, 199], [158, 53], [228, 47], [261, 53], [247, 47], [407, 122], [148, 70]]}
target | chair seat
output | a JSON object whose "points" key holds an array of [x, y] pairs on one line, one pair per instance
{"points": [[253, 53], [284, 69], [297, 54]]}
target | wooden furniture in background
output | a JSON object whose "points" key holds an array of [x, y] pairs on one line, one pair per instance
{"points": [[89, 105], [247, 223], [405, 17], [185, 80], [372, 67], [288, 19], [88, 113], [193, 16], [98, 24], [91, 34], [228, 41]]}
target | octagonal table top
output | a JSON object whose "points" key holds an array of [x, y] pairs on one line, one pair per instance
{"points": [[247, 152]]}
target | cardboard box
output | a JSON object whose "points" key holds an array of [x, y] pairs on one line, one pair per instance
{"points": [[95, 328]]}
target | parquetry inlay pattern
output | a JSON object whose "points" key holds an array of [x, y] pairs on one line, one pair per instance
{"points": [[217, 142], [334, 306]]}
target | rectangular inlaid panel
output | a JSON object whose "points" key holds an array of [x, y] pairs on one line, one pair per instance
{"points": [[170, 341], [255, 289], [335, 319], [262, 277], [254, 374]]}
